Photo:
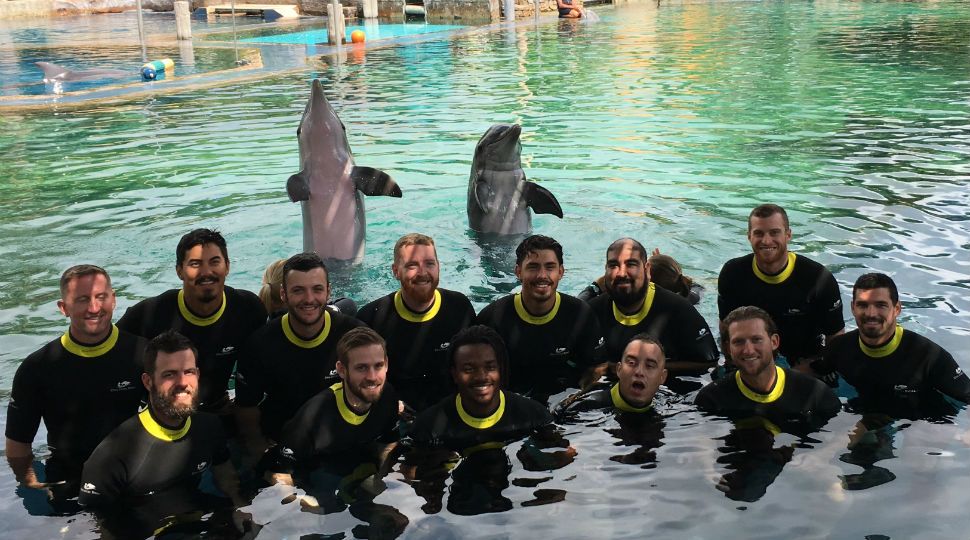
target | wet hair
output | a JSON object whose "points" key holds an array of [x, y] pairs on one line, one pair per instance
{"points": [[79, 271], [168, 342], [745, 313], [413, 239], [766, 211], [481, 335], [269, 293], [535, 244], [304, 262], [355, 338], [876, 280], [647, 338], [666, 272], [200, 237], [620, 242]]}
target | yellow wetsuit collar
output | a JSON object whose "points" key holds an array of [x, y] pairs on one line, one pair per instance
{"points": [[777, 278], [159, 431], [304, 343], [621, 404], [348, 415], [636, 318], [775, 393], [194, 319], [885, 350], [481, 423], [410, 316], [533, 319], [92, 351]]}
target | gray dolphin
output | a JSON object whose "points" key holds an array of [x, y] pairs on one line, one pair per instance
{"points": [[329, 185], [55, 73], [499, 196]]}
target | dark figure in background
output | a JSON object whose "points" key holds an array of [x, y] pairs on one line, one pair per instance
{"points": [[82, 384], [568, 10], [215, 317], [418, 322]]}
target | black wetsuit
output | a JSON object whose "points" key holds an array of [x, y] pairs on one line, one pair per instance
{"points": [[443, 424], [795, 399], [607, 398], [546, 354], [666, 316], [287, 370], [907, 376], [325, 426], [218, 338], [82, 393], [805, 303], [417, 343]]}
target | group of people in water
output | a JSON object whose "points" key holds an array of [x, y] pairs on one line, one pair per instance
{"points": [[142, 408]]}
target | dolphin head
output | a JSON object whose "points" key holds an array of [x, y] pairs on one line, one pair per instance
{"points": [[320, 128], [501, 143]]}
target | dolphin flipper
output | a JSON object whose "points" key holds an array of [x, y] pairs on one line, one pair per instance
{"points": [[298, 188], [541, 200], [482, 193], [373, 182]]}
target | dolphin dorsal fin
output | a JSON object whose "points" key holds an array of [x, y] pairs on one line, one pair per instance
{"points": [[373, 182], [541, 200], [51, 71], [298, 188]]}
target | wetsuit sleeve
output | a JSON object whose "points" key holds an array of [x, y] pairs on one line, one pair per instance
{"points": [[591, 342], [131, 321], [827, 404], [428, 428], [220, 445], [104, 476], [249, 376], [947, 377], [705, 399], [468, 316], [828, 305], [725, 300], [695, 341], [24, 409]]}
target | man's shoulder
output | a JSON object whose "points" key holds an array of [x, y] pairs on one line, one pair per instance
{"points": [[523, 407], [243, 300], [715, 390], [370, 309], [601, 302], [737, 265], [798, 379], [454, 298], [49, 352], [342, 322], [670, 301], [167, 298], [501, 305]]}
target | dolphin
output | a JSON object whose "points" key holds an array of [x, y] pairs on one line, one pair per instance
{"points": [[329, 184], [56, 73], [499, 196]]}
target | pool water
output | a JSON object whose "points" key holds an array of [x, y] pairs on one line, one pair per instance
{"points": [[372, 31], [667, 124]]}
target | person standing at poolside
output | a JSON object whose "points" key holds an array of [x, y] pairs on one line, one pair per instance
{"points": [[82, 385], [418, 320], [569, 10], [552, 338], [215, 317], [800, 294]]}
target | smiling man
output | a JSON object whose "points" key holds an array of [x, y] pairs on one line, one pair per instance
{"points": [[552, 338], [418, 321], [82, 384], [800, 294], [289, 360], [215, 317]]}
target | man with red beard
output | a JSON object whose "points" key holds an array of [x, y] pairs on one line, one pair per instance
{"points": [[552, 338], [291, 358], [418, 321], [152, 463], [800, 294]]}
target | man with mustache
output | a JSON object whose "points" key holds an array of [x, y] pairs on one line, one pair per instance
{"points": [[800, 294], [289, 359], [82, 385], [215, 317], [635, 305], [418, 321], [152, 463], [552, 338], [894, 370]]}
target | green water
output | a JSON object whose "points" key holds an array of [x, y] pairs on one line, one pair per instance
{"points": [[665, 124]]}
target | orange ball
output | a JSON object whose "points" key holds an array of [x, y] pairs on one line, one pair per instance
{"points": [[357, 36]]}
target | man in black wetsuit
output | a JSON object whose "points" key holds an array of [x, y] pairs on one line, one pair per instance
{"points": [[149, 467], [636, 305], [895, 371], [552, 338], [800, 294], [217, 318], [82, 384], [418, 321], [289, 359], [759, 387]]}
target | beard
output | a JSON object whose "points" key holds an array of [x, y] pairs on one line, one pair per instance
{"points": [[624, 298], [422, 292], [872, 333], [167, 406]]}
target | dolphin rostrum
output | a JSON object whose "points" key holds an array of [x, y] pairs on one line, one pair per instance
{"points": [[499, 196], [56, 73], [329, 185]]}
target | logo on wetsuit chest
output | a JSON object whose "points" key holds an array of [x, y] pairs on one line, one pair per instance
{"points": [[201, 466], [122, 386], [227, 350], [560, 352], [443, 347], [795, 312], [88, 487], [905, 389]]}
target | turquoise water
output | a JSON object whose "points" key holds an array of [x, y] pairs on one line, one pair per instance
{"points": [[665, 124], [372, 31]]}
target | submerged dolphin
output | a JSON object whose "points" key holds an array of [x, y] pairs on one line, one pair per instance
{"points": [[499, 196], [55, 73], [329, 185]]}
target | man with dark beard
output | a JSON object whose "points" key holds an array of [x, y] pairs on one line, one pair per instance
{"points": [[418, 321], [635, 305], [290, 359], [152, 463]]}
